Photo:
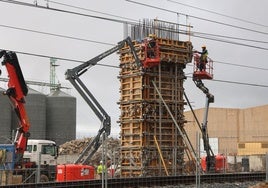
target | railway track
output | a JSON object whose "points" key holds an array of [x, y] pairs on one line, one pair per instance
{"points": [[152, 181]]}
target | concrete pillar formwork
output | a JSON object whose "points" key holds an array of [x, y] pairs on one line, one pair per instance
{"points": [[144, 120]]}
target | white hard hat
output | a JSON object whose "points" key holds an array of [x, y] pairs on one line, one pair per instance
{"points": [[100, 161]]}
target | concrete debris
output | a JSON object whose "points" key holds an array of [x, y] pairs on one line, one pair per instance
{"points": [[75, 147]]}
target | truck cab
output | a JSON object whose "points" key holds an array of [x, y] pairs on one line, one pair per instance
{"points": [[42, 155], [44, 151]]}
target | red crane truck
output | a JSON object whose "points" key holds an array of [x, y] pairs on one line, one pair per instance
{"points": [[12, 155]]}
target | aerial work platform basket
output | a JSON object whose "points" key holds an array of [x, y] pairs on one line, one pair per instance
{"points": [[152, 53], [202, 70]]}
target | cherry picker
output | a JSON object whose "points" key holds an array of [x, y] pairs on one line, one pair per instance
{"points": [[80, 170], [212, 162]]}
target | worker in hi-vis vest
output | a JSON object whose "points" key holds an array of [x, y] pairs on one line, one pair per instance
{"points": [[203, 58], [101, 169]]}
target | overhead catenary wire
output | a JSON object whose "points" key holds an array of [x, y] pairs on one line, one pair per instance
{"points": [[63, 11], [58, 58], [227, 37], [113, 66], [239, 65], [131, 23], [199, 18], [90, 10], [200, 33], [55, 35], [231, 42], [193, 34], [237, 83], [104, 43], [110, 44], [217, 13], [39, 83]]}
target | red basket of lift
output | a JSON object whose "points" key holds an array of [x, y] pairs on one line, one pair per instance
{"points": [[206, 72]]}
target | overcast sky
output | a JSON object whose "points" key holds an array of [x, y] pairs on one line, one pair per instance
{"points": [[23, 28]]}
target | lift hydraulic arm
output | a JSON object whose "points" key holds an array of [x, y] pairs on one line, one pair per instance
{"points": [[17, 90], [210, 160], [73, 76]]}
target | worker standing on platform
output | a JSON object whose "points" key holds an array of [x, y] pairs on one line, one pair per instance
{"points": [[151, 46], [203, 58], [101, 169]]}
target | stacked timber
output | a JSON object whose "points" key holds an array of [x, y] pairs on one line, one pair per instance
{"points": [[150, 141]]}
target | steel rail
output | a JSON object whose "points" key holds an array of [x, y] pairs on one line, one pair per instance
{"points": [[152, 181]]}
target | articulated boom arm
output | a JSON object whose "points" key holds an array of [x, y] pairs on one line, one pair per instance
{"points": [[73, 76], [79, 70], [209, 99], [17, 90]]}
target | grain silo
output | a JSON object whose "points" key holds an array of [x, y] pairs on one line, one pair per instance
{"points": [[36, 110], [5, 119], [61, 117]]}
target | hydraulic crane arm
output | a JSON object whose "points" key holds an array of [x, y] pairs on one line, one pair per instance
{"points": [[73, 76], [210, 160], [17, 90]]}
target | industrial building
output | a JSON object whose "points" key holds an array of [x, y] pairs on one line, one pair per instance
{"points": [[240, 132]]}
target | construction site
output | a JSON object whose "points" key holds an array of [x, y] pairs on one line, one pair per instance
{"points": [[152, 137], [157, 137]]}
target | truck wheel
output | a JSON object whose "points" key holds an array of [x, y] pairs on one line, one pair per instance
{"points": [[44, 178]]}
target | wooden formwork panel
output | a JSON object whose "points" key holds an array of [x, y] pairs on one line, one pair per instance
{"points": [[141, 134], [152, 111], [170, 51], [175, 51], [129, 58], [129, 70], [175, 58], [145, 161], [131, 88], [175, 43], [139, 86]]}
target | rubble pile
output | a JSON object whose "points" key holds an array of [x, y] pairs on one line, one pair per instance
{"points": [[75, 147]]}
